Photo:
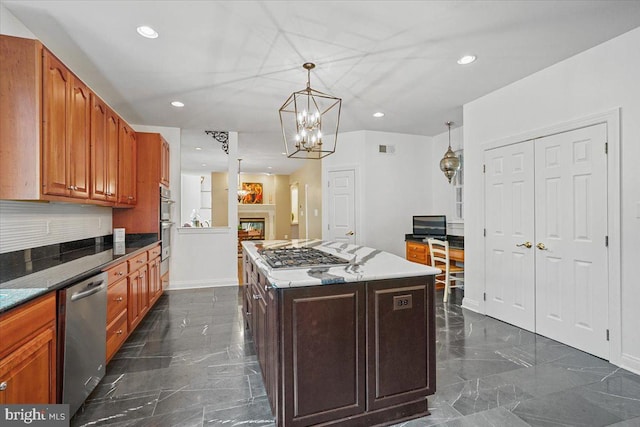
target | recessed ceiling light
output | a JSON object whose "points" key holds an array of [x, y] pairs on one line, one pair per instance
{"points": [[198, 148], [378, 114], [177, 104], [204, 164], [148, 32], [467, 59], [269, 167], [284, 154]]}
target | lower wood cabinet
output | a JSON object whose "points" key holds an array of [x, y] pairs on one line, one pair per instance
{"points": [[117, 333], [346, 354], [134, 287], [28, 353]]}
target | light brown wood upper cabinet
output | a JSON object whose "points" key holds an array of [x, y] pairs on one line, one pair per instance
{"points": [[46, 133], [65, 142], [127, 151], [165, 171], [104, 151]]}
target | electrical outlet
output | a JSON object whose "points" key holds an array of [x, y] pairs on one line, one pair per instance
{"points": [[402, 302]]}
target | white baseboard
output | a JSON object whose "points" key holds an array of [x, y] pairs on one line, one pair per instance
{"points": [[631, 363], [471, 304], [197, 284]]}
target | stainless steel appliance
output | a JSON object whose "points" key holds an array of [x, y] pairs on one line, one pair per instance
{"points": [[165, 227], [300, 258], [83, 327]]}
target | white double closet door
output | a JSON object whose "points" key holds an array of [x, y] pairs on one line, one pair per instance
{"points": [[546, 225]]}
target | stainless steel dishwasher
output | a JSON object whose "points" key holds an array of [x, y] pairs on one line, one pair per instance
{"points": [[83, 329]]}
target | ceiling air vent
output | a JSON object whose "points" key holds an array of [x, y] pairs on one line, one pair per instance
{"points": [[386, 149]]}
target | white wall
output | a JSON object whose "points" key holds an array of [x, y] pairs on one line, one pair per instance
{"points": [[598, 80], [202, 257], [189, 197], [10, 25], [390, 188]]}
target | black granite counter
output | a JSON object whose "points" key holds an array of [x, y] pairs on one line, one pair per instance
{"points": [[29, 273], [454, 241]]}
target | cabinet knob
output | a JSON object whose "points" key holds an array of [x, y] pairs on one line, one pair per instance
{"points": [[119, 299], [130, 197], [256, 296], [3, 386], [120, 273], [139, 261], [119, 332]]}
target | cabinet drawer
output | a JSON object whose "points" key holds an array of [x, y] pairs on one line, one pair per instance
{"points": [[116, 299], [116, 334], [417, 248], [154, 253], [118, 272], [137, 261], [17, 325]]}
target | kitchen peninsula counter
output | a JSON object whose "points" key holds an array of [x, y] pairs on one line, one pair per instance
{"points": [[350, 344], [25, 277]]}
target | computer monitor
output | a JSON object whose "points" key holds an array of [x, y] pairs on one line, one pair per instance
{"points": [[430, 226]]}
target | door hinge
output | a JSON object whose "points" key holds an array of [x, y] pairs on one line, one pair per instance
{"points": [[484, 296], [606, 241], [328, 226], [606, 148], [484, 233], [484, 168], [607, 335], [328, 184]]}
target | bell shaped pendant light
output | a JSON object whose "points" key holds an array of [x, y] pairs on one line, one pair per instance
{"points": [[450, 163]]}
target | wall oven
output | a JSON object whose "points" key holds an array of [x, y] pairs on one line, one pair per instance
{"points": [[166, 225]]}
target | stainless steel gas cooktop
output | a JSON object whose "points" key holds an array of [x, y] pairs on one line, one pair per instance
{"points": [[300, 258]]}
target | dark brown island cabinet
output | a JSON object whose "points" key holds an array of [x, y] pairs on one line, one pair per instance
{"points": [[349, 354]]}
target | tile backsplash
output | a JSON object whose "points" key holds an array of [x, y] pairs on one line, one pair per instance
{"points": [[25, 225]]}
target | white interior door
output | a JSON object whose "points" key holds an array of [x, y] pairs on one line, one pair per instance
{"points": [[509, 256], [342, 217], [571, 226]]}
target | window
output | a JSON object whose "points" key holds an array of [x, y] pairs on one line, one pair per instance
{"points": [[458, 189]]}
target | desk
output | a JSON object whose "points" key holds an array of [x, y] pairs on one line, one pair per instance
{"points": [[419, 252]]}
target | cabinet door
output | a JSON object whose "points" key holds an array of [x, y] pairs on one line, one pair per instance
{"points": [[400, 333], [78, 143], [28, 373], [127, 165], [99, 149], [55, 104], [133, 300], [154, 280], [323, 353], [112, 130], [143, 291], [164, 163]]}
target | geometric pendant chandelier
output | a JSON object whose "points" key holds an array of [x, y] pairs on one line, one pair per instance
{"points": [[309, 120]]}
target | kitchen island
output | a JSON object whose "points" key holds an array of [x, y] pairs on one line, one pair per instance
{"points": [[344, 334]]}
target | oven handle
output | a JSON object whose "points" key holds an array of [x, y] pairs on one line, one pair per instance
{"points": [[168, 201], [167, 224], [79, 295]]}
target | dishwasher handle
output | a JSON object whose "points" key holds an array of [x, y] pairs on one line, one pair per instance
{"points": [[84, 294]]}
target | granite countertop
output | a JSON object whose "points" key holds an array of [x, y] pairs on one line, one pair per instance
{"points": [[364, 264], [22, 281]]}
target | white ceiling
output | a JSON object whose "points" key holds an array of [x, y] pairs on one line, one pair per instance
{"points": [[233, 63]]}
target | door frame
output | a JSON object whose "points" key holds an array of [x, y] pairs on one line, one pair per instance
{"points": [[358, 188], [612, 120]]}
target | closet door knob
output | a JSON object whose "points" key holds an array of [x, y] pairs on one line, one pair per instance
{"points": [[525, 244], [542, 247]]}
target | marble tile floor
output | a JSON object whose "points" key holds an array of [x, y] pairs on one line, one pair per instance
{"points": [[190, 363]]}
